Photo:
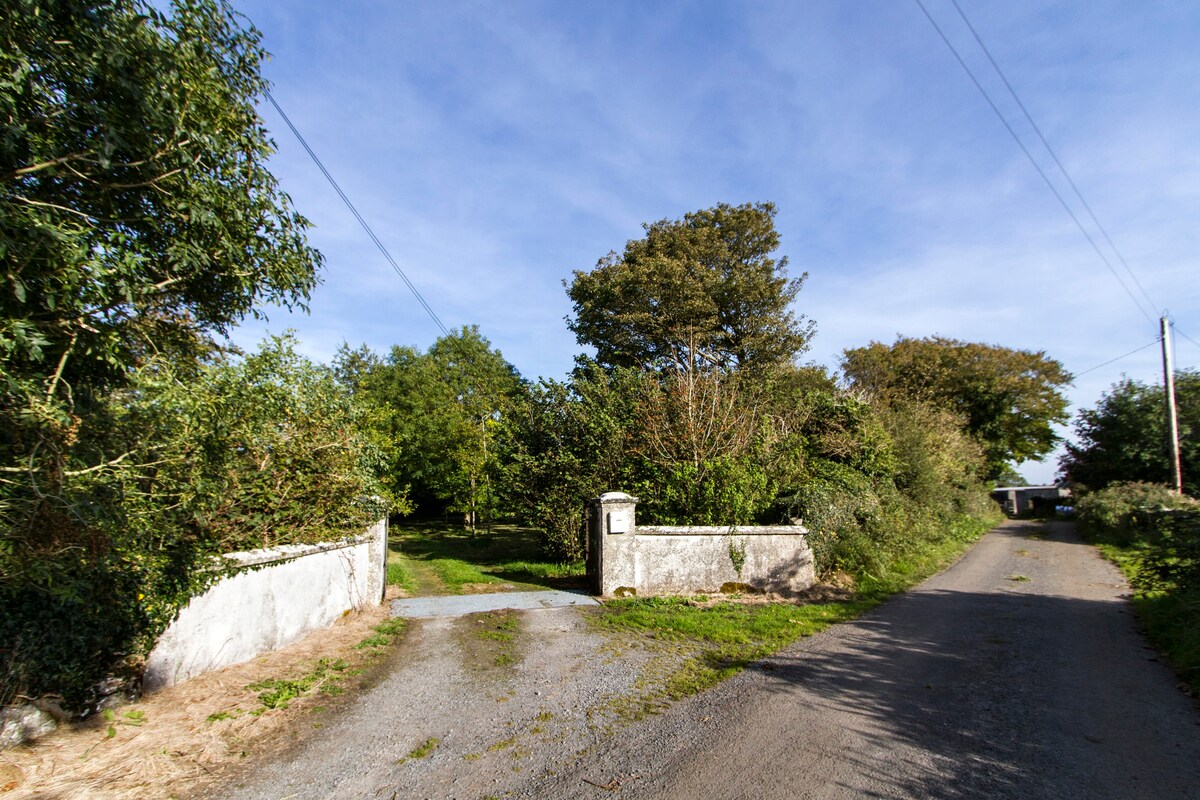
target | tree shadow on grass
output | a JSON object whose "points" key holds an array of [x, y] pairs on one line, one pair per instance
{"points": [[507, 553]]}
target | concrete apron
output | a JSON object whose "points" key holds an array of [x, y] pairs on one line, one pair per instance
{"points": [[460, 605]]}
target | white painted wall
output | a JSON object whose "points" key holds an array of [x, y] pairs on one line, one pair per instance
{"points": [[625, 557], [283, 594]]}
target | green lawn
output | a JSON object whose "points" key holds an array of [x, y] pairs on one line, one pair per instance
{"points": [[437, 559]]}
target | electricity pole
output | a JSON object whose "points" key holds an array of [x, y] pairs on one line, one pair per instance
{"points": [[1172, 418]]}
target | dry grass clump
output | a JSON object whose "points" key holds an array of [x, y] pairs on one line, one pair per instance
{"points": [[186, 736]]}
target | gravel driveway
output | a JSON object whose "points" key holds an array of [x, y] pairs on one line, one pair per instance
{"points": [[1017, 673]]}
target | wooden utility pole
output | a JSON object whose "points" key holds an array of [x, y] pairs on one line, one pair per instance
{"points": [[1172, 418]]}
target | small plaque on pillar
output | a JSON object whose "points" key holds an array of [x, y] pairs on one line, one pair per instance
{"points": [[618, 521]]}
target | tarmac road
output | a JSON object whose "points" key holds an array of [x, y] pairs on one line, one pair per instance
{"points": [[1017, 673]]}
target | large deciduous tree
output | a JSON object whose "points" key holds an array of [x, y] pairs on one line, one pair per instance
{"points": [[137, 214], [1124, 438], [1010, 399], [696, 294]]}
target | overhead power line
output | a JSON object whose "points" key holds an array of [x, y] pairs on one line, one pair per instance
{"points": [[1050, 184], [1184, 335], [412, 288], [1029, 118], [1118, 358]]}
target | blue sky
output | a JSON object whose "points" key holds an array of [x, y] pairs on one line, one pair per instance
{"points": [[496, 147]]}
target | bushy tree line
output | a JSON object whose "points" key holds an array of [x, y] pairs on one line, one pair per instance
{"points": [[694, 400], [1124, 438]]}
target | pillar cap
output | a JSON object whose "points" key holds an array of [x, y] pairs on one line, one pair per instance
{"points": [[619, 497]]}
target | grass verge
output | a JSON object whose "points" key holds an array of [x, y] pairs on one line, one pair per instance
{"points": [[1169, 620]]}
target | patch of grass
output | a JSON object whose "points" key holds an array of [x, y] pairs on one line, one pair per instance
{"points": [[729, 635], [383, 634], [217, 716], [502, 745], [398, 574], [499, 631], [1018, 578], [432, 559], [423, 750]]}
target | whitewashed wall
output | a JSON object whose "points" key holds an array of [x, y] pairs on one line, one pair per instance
{"points": [[284, 594], [627, 558]]}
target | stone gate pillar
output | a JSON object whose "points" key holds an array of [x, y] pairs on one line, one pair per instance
{"points": [[609, 515]]}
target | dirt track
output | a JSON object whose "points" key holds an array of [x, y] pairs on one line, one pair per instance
{"points": [[1015, 674]]}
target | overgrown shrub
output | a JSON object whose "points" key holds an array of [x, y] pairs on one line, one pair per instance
{"points": [[1127, 513], [1172, 561], [234, 455]]}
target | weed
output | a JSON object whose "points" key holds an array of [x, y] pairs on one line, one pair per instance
{"points": [[217, 716], [1018, 578], [502, 744], [499, 630], [276, 693], [383, 634], [423, 750], [378, 640]]}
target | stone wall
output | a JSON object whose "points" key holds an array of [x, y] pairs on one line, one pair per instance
{"points": [[282, 594], [627, 558]]}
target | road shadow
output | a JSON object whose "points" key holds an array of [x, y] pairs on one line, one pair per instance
{"points": [[1005, 694]]}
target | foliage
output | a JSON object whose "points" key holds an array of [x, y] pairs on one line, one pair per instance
{"points": [[137, 215], [695, 448], [244, 454], [695, 294], [137, 222], [438, 414], [565, 445], [1128, 513], [1009, 399], [1124, 438]]}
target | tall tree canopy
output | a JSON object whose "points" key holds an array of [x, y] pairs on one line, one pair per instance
{"points": [[437, 413], [136, 210], [1010, 399], [701, 293], [1124, 438]]}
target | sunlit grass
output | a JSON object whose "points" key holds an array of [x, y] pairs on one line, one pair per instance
{"points": [[431, 559]]}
